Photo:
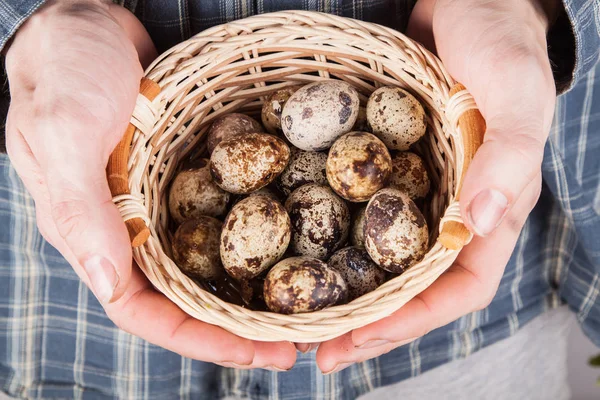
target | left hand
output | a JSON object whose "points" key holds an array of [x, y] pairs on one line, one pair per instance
{"points": [[498, 51]]}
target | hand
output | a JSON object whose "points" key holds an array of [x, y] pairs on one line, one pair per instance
{"points": [[498, 51], [74, 71]]}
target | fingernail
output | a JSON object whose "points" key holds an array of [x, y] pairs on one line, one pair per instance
{"points": [[103, 277], [369, 344], [231, 364], [306, 347], [486, 211], [338, 368], [276, 368]]}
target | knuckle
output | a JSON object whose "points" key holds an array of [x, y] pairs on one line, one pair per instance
{"points": [[70, 217]]}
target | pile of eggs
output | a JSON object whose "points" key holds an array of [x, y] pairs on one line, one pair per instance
{"points": [[318, 210]]}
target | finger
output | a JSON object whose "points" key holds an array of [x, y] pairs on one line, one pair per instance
{"points": [[510, 157], [511, 81], [340, 353], [136, 33], [467, 286], [420, 24], [148, 314], [306, 347]]}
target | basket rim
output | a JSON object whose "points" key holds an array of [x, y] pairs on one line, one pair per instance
{"points": [[149, 113]]}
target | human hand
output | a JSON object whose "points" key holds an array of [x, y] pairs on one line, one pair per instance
{"points": [[498, 51], [74, 71]]}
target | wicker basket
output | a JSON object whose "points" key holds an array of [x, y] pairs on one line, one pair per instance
{"points": [[233, 67]]}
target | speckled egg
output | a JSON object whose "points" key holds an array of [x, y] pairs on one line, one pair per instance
{"points": [[228, 126], [409, 175], [396, 117], [360, 273], [246, 163], [320, 221], [255, 235], [396, 234], [362, 124], [303, 284], [358, 165], [318, 113], [357, 236], [194, 193], [273, 107], [304, 167], [196, 247]]}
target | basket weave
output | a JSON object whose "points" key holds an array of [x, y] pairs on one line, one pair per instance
{"points": [[233, 67]]}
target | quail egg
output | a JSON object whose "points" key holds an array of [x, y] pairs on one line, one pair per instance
{"points": [[196, 247], [357, 236], [304, 167], [273, 107], [409, 175], [361, 124], [228, 126], [320, 221], [360, 273], [194, 193], [358, 165], [246, 163], [318, 113], [255, 235], [303, 284], [396, 234], [396, 117]]}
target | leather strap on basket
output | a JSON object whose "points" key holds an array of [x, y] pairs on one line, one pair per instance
{"points": [[117, 171], [455, 235]]}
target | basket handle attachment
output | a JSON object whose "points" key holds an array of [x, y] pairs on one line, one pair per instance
{"points": [[118, 174], [455, 235]]}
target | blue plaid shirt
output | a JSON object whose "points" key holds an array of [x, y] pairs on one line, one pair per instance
{"points": [[56, 341]]}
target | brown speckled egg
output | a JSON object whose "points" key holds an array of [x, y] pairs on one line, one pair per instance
{"points": [[304, 167], [362, 124], [196, 247], [318, 113], [194, 193], [303, 284], [273, 107], [396, 234], [396, 117], [255, 235], [228, 126], [409, 175], [320, 221], [246, 163], [358, 165], [360, 273], [357, 236]]}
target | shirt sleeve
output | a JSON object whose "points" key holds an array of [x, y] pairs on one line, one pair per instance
{"points": [[12, 15], [574, 42]]}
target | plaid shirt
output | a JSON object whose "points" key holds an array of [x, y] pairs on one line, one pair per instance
{"points": [[56, 341]]}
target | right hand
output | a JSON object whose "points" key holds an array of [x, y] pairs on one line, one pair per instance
{"points": [[74, 70]]}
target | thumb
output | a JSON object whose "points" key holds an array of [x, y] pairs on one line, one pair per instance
{"points": [[518, 115], [90, 224], [498, 51]]}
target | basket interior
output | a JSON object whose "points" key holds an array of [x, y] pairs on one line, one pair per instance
{"points": [[233, 68]]}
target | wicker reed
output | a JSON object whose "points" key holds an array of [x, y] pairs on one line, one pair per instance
{"points": [[233, 67]]}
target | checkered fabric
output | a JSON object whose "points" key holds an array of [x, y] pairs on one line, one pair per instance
{"points": [[56, 341]]}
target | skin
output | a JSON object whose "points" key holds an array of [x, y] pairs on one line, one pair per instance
{"points": [[74, 70], [60, 132]]}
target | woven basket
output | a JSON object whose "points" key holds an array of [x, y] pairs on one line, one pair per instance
{"points": [[234, 67]]}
